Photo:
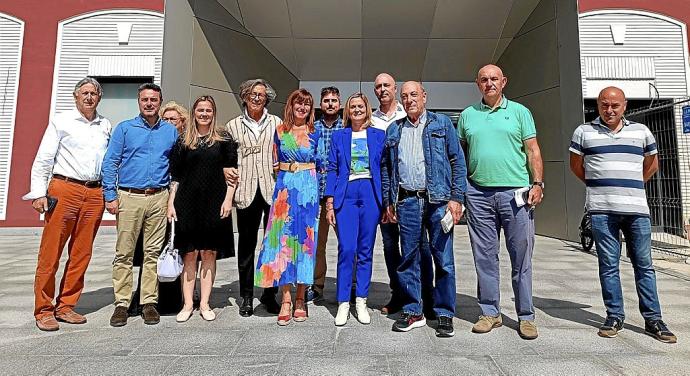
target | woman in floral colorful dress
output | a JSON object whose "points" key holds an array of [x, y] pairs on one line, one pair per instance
{"points": [[288, 251]]}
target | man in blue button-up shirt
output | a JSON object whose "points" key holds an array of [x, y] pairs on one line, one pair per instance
{"points": [[135, 186]]}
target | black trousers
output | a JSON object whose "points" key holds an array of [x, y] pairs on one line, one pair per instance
{"points": [[248, 221]]}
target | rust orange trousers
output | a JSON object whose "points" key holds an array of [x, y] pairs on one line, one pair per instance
{"points": [[76, 218]]}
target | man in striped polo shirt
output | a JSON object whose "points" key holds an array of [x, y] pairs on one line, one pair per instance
{"points": [[614, 157]]}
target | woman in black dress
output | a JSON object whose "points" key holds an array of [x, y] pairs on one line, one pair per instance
{"points": [[201, 202]]}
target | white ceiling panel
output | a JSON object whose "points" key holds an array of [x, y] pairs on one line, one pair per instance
{"points": [[233, 7], [469, 18], [433, 40], [456, 59], [397, 18], [519, 12], [326, 18], [328, 59], [402, 58], [266, 18], [283, 49]]}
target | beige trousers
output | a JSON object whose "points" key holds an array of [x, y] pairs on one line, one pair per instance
{"points": [[139, 212]]}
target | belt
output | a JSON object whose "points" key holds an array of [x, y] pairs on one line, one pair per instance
{"points": [[145, 191], [405, 193], [296, 166], [86, 183]]}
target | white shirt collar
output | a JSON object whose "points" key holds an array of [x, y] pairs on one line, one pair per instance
{"points": [[398, 114], [249, 119]]}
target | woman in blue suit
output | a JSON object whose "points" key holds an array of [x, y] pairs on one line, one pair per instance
{"points": [[353, 191]]}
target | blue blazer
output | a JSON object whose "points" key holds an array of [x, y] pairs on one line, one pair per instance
{"points": [[339, 159]]}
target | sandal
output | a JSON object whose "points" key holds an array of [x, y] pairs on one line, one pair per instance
{"points": [[300, 313], [284, 320]]}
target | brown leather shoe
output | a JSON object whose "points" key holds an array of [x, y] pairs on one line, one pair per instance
{"points": [[486, 323], [528, 330], [119, 317], [47, 323], [150, 314], [70, 317]]}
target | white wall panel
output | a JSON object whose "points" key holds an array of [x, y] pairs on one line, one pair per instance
{"points": [[89, 44], [654, 48], [11, 38]]}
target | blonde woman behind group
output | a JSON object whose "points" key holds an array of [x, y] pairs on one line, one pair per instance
{"points": [[175, 114], [201, 201]]}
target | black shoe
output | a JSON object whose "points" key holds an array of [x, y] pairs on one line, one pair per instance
{"points": [[270, 304], [393, 306], [430, 314], [150, 314], [445, 327], [659, 330], [119, 317], [247, 306], [134, 310], [611, 327], [408, 321], [312, 295]]}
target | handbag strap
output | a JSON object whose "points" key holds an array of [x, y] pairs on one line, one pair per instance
{"points": [[171, 242]]}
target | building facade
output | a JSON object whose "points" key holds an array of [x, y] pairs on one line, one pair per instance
{"points": [[47, 46], [642, 47]]}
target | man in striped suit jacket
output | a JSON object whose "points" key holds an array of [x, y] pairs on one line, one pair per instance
{"points": [[253, 131]]}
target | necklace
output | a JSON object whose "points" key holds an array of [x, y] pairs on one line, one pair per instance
{"points": [[203, 139]]}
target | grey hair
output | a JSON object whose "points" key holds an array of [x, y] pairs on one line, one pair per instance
{"points": [[88, 80], [247, 86]]}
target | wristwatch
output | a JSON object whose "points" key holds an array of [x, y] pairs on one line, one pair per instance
{"points": [[539, 183]]}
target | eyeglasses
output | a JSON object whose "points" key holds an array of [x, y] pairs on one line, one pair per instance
{"points": [[257, 96], [171, 119]]}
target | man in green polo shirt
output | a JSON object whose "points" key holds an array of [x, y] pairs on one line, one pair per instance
{"points": [[500, 142]]}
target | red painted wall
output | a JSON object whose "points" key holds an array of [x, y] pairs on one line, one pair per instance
{"points": [[41, 20], [676, 9]]}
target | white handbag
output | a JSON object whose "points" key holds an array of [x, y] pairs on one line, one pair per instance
{"points": [[170, 261]]}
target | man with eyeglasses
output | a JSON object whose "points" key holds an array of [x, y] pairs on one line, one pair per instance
{"points": [[423, 181], [329, 122], [253, 131], [72, 151]]}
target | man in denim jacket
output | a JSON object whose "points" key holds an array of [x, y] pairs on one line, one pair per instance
{"points": [[423, 177]]}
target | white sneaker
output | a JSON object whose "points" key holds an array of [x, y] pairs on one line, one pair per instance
{"points": [[362, 312], [343, 314]]}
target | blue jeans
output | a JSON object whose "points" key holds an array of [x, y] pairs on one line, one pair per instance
{"points": [[421, 235], [638, 236], [488, 210], [390, 234], [357, 219]]}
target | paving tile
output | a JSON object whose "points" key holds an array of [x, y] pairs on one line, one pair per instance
{"points": [[539, 365], [567, 300]]}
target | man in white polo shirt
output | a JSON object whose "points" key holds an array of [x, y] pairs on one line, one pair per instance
{"points": [[614, 157], [388, 112]]}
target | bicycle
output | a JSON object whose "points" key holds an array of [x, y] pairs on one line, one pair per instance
{"points": [[586, 236]]}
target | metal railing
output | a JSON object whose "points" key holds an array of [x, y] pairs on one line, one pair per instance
{"points": [[668, 192]]}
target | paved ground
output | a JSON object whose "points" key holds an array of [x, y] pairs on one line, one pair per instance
{"points": [[566, 296]]}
